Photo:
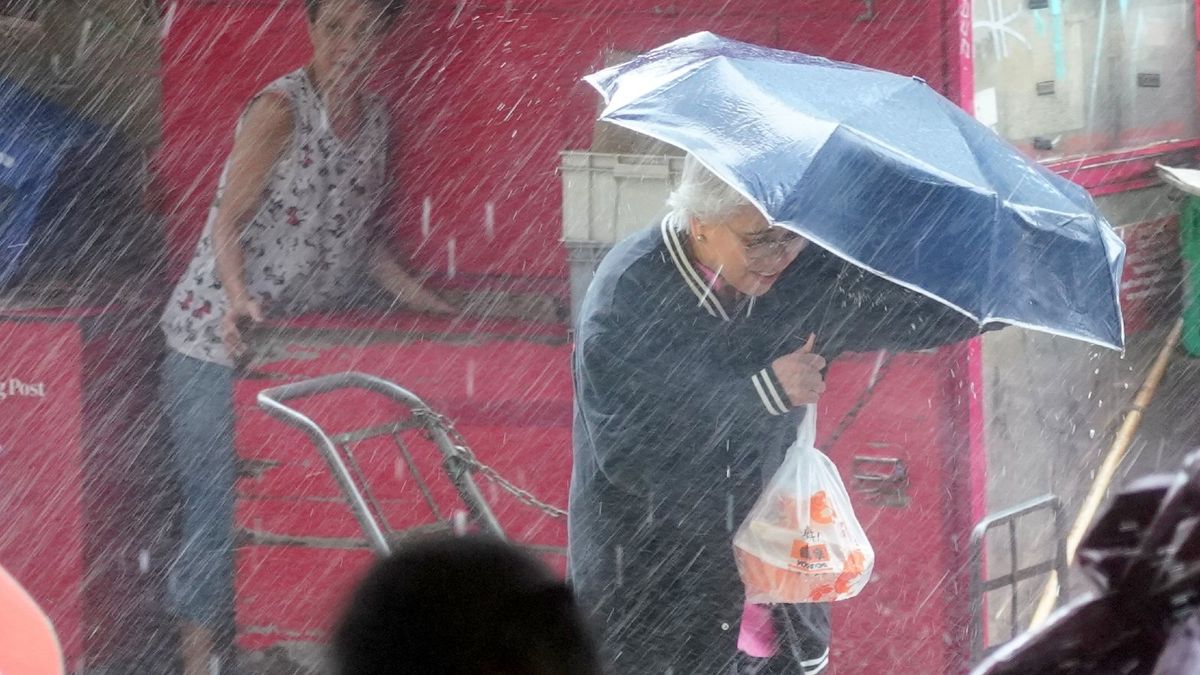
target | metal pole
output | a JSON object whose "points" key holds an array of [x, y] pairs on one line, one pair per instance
{"points": [[980, 587], [1108, 470], [269, 400]]}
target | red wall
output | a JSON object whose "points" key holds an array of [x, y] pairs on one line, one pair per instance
{"points": [[485, 95], [41, 543], [484, 99], [82, 496]]}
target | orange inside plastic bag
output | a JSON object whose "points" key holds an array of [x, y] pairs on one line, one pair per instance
{"points": [[801, 542], [793, 584]]}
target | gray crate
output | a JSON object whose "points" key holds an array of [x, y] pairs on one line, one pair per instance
{"points": [[607, 197], [583, 257]]}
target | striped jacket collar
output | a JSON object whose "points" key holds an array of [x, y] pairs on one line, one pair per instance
{"points": [[692, 277]]}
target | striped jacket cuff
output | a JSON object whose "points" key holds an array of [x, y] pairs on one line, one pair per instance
{"points": [[815, 666], [770, 392]]}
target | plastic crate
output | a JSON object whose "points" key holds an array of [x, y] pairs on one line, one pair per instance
{"points": [[583, 257], [606, 197]]}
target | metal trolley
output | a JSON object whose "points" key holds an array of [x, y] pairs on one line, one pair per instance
{"points": [[458, 461]]}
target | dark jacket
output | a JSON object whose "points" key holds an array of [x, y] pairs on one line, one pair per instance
{"points": [[679, 420]]}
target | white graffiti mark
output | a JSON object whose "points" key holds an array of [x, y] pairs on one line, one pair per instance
{"points": [[1095, 84], [997, 27], [964, 32]]}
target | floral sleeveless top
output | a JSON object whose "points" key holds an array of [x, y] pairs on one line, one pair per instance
{"points": [[305, 247]]}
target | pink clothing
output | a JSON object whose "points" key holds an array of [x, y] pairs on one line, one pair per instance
{"points": [[715, 282], [757, 636]]}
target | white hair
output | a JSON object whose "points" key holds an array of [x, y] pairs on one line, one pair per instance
{"points": [[702, 195]]}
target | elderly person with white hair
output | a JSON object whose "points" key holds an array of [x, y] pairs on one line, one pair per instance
{"points": [[699, 342]]}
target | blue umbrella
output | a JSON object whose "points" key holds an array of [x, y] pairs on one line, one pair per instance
{"points": [[883, 171]]}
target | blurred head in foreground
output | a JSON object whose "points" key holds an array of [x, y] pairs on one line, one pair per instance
{"points": [[462, 606]]}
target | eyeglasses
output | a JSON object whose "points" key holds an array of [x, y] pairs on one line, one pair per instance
{"points": [[761, 246]]}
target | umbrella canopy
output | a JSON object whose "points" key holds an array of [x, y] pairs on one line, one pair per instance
{"points": [[883, 171]]}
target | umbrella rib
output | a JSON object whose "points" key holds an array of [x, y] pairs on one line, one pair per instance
{"points": [[983, 170], [928, 168], [925, 167], [691, 69]]}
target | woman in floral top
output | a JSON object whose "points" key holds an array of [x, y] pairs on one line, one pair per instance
{"points": [[291, 228]]}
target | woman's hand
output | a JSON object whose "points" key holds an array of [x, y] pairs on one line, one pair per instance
{"points": [[423, 300], [800, 374], [243, 312], [392, 277]]}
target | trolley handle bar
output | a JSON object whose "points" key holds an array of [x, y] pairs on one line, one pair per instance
{"points": [[272, 400], [328, 383], [358, 505]]}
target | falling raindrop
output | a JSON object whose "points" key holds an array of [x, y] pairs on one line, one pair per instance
{"points": [[619, 556], [490, 173], [167, 21]]}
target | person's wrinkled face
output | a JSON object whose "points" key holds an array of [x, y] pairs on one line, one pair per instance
{"points": [[346, 35], [751, 253]]}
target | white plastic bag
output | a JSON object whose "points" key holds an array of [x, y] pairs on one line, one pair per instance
{"points": [[801, 541]]}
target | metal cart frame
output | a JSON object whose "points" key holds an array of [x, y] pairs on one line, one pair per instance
{"points": [[457, 459], [980, 587]]}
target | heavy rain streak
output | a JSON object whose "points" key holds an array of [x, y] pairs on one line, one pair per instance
{"points": [[582, 337]]}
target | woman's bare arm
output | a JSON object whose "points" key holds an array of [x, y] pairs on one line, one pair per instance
{"points": [[265, 132]]}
